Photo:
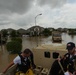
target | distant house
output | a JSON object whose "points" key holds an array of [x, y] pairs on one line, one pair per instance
{"points": [[51, 29], [10, 30], [60, 29], [22, 31], [65, 29], [34, 29]]}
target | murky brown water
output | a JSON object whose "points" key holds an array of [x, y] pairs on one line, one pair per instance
{"points": [[30, 42]]}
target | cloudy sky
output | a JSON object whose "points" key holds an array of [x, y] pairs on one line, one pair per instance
{"points": [[21, 13]]}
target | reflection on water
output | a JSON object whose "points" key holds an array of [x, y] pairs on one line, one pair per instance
{"points": [[30, 42], [66, 38]]}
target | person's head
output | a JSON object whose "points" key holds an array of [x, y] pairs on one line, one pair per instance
{"points": [[26, 52], [70, 47]]}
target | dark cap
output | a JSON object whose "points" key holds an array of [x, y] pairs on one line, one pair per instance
{"points": [[70, 45]]}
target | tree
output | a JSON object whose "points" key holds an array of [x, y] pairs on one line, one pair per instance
{"points": [[4, 33], [3, 36], [18, 34], [13, 33], [72, 31], [46, 32]]}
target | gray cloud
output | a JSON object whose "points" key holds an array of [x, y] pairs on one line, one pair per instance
{"points": [[15, 6], [51, 3], [23, 20], [4, 20], [4, 17], [22, 13]]}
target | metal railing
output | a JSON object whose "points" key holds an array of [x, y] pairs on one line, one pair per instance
{"points": [[37, 71], [10, 71]]}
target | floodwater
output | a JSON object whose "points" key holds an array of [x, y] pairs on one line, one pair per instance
{"points": [[30, 42]]}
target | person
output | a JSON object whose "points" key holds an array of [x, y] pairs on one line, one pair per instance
{"points": [[67, 62], [74, 73], [23, 62]]}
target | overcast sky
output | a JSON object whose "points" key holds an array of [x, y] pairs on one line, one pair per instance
{"points": [[21, 13]]}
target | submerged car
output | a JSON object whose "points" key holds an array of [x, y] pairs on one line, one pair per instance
{"points": [[56, 36]]}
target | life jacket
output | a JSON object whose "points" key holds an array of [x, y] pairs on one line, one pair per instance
{"points": [[68, 63], [24, 66], [56, 69]]}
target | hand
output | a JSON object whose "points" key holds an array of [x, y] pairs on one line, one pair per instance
{"points": [[74, 73], [58, 59], [4, 71], [33, 66]]}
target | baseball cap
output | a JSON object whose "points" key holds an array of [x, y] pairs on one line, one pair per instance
{"points": [[70, 45]]}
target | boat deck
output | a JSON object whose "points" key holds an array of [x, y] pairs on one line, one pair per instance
{"points": [[37, 71]]}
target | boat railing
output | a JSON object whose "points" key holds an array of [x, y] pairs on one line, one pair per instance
{"points": [[37, 71], [10, 71]]}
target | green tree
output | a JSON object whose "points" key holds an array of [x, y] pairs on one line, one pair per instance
{"points": [[4, 33], [13, 33], [72, 31], [18, 34], [3, 36], [46, 32]]}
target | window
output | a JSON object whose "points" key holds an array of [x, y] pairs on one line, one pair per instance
{"points": [[55, 55], [47, 54]]}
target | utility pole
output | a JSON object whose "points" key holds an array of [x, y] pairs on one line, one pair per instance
{"points": [[35, 25]]}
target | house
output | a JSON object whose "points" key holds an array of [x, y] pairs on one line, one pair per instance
{"points": [[22, 31], [35, 30], [10, 30]]}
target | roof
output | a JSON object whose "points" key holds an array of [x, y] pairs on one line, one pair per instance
{"points": [[55, 46]]}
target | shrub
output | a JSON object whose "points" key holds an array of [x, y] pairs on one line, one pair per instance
{"points": [[14, 47]]}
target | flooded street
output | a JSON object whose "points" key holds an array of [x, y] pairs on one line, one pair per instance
{"points": [[30, 42]]}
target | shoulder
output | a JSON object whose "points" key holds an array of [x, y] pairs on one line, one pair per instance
{"points": [[17, 60], [67, 55], [66, 73]]}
